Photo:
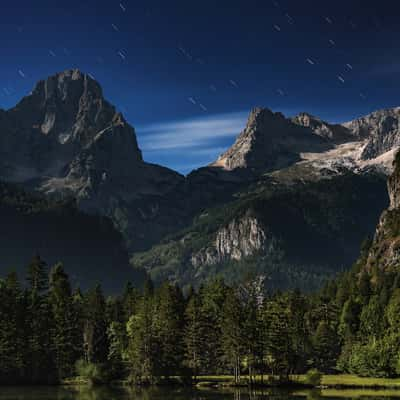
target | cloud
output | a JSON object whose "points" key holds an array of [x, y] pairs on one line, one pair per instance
{"points": [[199, 134]]}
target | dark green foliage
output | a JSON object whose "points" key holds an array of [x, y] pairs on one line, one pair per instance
{"points": [[95, 341], [316, 230], [39, 324], [65, 326], [13, 331], [49, 332], [314, 377], [233, 333], [89, 245]]}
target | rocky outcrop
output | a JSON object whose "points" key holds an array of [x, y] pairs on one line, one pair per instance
{"points": [[382, 130], [241, 238], [385, 250], [269, 141], [334, 132], [394, 185]]}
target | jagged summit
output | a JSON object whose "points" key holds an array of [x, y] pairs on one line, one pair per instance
{"points": [[381, 128], [269, 141], [66, 140], [64, 116]]}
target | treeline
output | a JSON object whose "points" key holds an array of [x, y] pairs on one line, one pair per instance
{"points": [[49, 332]]}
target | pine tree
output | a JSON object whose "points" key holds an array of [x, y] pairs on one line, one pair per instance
{"points": [[12, 331], [169, 324], [95, 342], [141, 351], [64, 329], [213, 296], [326, 347], [232, 333], [278, 337], [39, 360], [194, 336]]}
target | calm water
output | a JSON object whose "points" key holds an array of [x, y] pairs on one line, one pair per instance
{"points": [[54, 393]]}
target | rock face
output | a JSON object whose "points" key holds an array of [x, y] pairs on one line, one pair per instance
{"points": [[269, 141], [241, 238], [66, 140], [333, 132], [385, 250], [65, 119], [381, 128], [394, 185]]}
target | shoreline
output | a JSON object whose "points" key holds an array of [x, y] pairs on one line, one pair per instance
{"points": [[296, 382]]}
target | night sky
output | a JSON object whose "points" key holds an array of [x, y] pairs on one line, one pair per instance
{"points": [[186, 73]]}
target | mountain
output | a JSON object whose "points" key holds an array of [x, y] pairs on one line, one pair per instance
{"points": [[66, 141], [295, 235], [292, 198], [90, 248], [313, 194], [269, 142]]}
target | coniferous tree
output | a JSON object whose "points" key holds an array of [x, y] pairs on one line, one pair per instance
{"points": [[194, 336], [232, 333], [39, 359], [278, 337], [213, 298], [141, 350], [169, 325], [95, 343], [64, 328], [12, 332]]}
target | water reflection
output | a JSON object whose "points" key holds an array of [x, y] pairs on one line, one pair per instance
{"points": [[103, 393]]}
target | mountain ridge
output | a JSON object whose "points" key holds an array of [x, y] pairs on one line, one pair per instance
{"points": [[65, 140]]}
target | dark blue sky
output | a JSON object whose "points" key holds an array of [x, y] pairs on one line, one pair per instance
{"points": [[186, 73]]}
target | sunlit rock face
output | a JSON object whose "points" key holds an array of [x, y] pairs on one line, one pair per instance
{"points": [[269, 141], [382, 128], [241, 238]]}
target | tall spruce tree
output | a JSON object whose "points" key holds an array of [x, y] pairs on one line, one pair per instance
{"points": [[233, 333], [95, 341], [39, 361], [169, 324], [12, 332], [194, 336], [141, 350], [64, 328]]}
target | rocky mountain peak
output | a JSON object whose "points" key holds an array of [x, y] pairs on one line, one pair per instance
{"points": [[269, 141], [67, 141], [64, 116], [70, 107], [260, 117], [382, 128]]}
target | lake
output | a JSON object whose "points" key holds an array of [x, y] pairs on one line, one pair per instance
{"points": [[83, 393]]}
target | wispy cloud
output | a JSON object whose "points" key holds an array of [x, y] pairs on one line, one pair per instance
{"points": [[197, 133]]}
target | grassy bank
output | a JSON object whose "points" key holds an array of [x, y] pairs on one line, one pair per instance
{"points": [[328, 381]]}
